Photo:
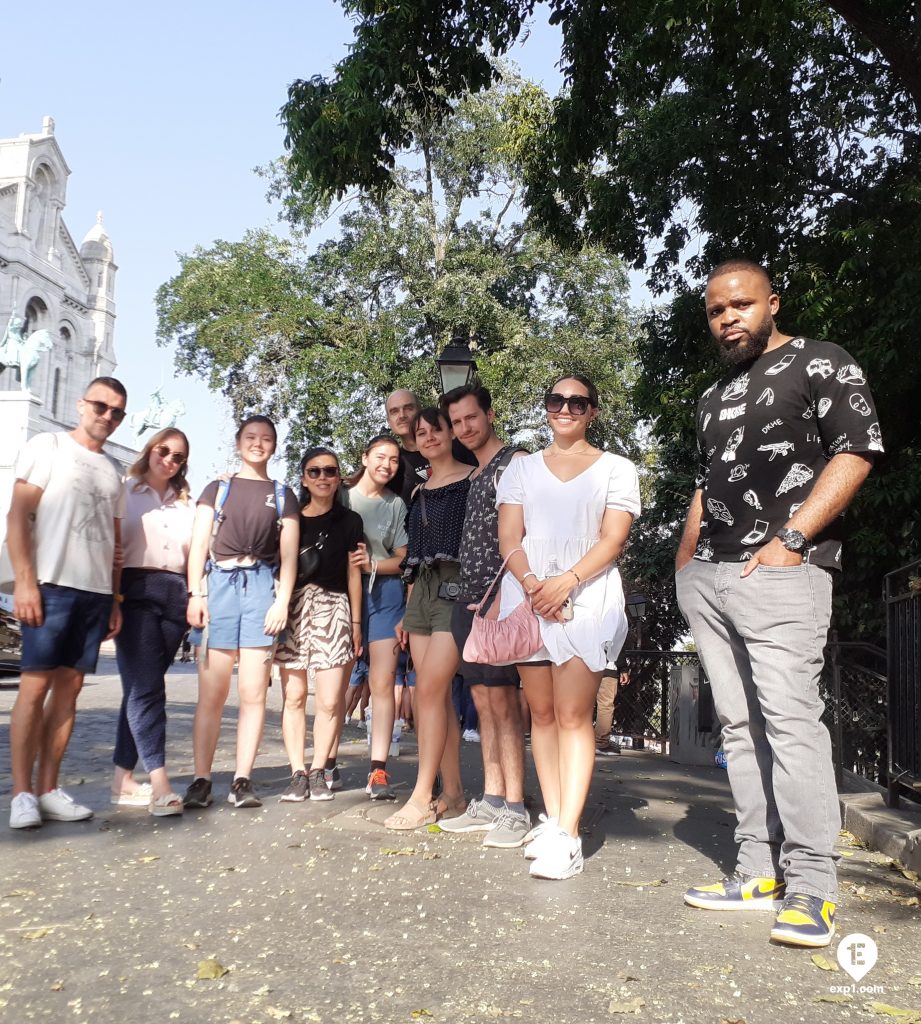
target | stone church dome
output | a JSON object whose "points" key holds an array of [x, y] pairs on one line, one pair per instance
{"points": [[96, 245]]}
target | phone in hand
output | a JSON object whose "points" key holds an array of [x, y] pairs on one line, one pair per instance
{"points": [[567, 610]]}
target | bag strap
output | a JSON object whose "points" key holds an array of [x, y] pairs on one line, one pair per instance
{"points": [[279, 501], [223, 489], [508, 455], [495, 580]]}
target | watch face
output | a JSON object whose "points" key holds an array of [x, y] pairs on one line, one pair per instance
{"points": [[792, 540]]}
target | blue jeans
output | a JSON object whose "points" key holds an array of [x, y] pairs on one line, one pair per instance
{"points": [[153, 625], [761, 641]]}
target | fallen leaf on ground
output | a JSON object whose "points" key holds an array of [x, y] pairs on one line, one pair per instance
{"points": [[210, 970], [832, 998], [416, 1014], [149, 859], [18, 892], [885, 1010], [630, 1006], [277, 1012], [392, 851], [916, 980], [37, 933], [823, 963], [639, 885]]}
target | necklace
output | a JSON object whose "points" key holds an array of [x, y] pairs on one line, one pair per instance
{"points": [[587, 450]]}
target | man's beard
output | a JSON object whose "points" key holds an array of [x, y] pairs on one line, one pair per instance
{"points": [[748, 350]]}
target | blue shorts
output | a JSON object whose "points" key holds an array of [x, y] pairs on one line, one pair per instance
{"points": [[238, 600], [405, 677], [382, 609], [359, 674], [75, 624]]}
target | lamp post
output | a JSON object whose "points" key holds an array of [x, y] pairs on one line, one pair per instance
{"points": [[456, 365], [636, 610]]}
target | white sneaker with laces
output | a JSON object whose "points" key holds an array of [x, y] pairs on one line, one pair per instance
{"points": [[561, 858], [24, 812], [471, 736], [60, 806], [546, 827]]}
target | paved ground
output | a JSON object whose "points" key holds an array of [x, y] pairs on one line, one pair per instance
{"points": [[317, 913]]}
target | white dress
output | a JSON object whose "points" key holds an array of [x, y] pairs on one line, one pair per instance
{"points": [[562, 521]]}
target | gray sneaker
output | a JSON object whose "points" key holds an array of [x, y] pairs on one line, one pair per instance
{"points": [[479, 817], [508, 831]]}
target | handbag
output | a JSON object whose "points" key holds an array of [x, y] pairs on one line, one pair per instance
{"points": [[503, 641], [308, 560]]}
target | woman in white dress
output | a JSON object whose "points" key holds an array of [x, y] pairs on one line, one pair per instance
{"points": [[564, 515]]}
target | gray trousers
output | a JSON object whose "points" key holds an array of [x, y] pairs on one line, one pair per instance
{"points": [[761, 642]]}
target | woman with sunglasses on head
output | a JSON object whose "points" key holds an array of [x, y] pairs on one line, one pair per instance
{"points": [[383, 516], [156, 532], [249, 524], [324, 624], [436, 522], [564, 517]]}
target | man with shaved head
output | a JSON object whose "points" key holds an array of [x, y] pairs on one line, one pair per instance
{"points": [[786, 437]]}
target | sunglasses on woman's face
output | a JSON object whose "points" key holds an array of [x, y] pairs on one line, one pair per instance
{"points": [[315, 472], [578, 404], [177, 458]]}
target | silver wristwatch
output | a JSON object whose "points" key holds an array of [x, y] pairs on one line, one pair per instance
{"points": [[792, 540]]}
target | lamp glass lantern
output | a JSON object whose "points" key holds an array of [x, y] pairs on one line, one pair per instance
{"points": [[456, 365], [636, 607]]}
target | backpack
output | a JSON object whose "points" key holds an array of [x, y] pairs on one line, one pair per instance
{"points": [[223, 489]]}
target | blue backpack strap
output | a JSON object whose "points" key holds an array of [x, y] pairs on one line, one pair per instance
{"points": [[279, 500], [223, 489]]}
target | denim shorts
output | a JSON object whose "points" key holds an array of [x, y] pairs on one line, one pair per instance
{"points": [[406, 676], [75, 624], [381, 609], [238, 600]]}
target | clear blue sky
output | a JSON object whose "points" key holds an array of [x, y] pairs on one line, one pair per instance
{"points": [[162, 112]]}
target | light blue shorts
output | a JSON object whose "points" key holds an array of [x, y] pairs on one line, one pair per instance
{"points": [[238, 600], [382, 609]]}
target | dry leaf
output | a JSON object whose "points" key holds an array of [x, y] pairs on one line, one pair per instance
{"points": [[392, 851], [18, 892], [631, 1006], [823, 963], [639, 885], [916, 980], [885, 1010], [37, 933], [832, 998], [277, 1013], [210, 970], [416, 1014], [149, 859], [58, 986]]}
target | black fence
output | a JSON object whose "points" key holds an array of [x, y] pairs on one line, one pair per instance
{"points": [[902, 594], [853, 687]]}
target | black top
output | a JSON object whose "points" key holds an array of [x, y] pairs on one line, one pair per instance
{"points": [[249, 528], [479, 551], [436, 523], [765, 432], [334, 534], [414, 469]]}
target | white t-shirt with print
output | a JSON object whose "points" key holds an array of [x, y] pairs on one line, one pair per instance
{"points": [[74, 532]]}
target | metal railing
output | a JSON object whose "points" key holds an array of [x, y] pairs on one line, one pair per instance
{"points": [[641, 710], [902, 594]]}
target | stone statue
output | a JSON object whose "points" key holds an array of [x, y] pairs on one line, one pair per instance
{"points": [[23, 351], [157, 416]]}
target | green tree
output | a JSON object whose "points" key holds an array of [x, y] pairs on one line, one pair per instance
{"points": [[690, 131], [319, 335]]}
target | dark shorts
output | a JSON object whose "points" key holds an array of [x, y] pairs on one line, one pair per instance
{"points": [[75, 624], [477, 675], [426, 612]]}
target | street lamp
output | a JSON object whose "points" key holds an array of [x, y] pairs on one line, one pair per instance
{"points": [[636, 609], [456, 365]]}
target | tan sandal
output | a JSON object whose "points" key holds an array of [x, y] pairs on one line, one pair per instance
{"points": [[409, 817], [165, 806]]}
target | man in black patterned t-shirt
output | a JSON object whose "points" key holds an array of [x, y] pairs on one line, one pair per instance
{"points": [[786, 438]]}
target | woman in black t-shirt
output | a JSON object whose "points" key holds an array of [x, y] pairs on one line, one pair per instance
{"points": [[324, 624]]}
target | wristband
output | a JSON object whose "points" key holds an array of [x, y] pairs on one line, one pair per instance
{"points": [[118, 598], [526, 575], [577, 576], [196, 593]]}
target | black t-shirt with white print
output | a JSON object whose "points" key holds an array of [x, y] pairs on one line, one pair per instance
{"points": [[765, 432]]}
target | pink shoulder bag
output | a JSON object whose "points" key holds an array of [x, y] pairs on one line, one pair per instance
{"points": [[503, 641]]}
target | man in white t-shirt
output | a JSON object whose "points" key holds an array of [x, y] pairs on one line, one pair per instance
{"points": [[62, 532]]}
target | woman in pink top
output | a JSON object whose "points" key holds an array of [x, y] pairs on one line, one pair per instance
{"points": [[156, 532]]}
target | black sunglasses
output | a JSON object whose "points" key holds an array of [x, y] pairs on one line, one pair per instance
{"points": [[100, 408], [177, 458], [578, 404], [315, 472]]}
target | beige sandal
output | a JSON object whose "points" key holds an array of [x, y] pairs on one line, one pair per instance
{"points": [[409, 817], [165, 806]]}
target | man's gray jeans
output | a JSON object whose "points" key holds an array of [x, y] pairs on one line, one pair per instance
{"points": [[760, 641]]}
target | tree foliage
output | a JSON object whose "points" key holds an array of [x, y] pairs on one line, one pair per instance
{"points": [[689, 131], [320, 333]]}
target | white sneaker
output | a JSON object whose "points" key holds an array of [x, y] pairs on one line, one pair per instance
{"points": [[60, 806], [559, 859], [471, 736], [24, 812], [545, 827]]}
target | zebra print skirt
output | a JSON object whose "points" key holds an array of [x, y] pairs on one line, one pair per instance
{"points": [[319, 633]]}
